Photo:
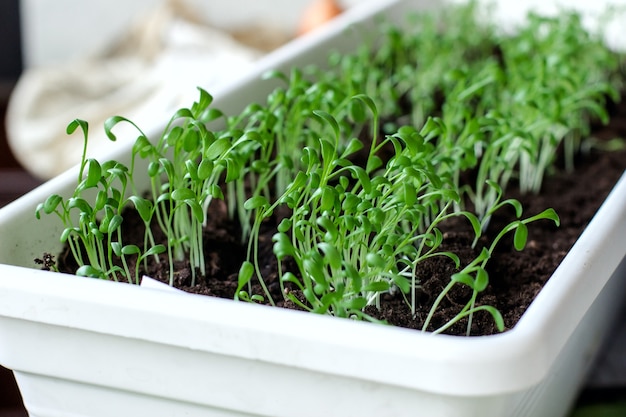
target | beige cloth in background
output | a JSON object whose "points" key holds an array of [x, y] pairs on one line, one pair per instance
{"points": [[149, 73]]}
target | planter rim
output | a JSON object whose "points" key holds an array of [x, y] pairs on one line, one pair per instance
{"points": [[269, 334]]}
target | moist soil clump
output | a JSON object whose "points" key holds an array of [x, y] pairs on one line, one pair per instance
{"points": [[515, 278]]}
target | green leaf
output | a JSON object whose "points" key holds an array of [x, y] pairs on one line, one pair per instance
{"points": [[75, 124], [313, 266], [101, 200], [144, 207], [328, 199], [163, 198], [257, 298], [364, 179], [117, 248], [495, 314], [357, 113], [329, 153], [110, 123], [286, 161], [516, 205], [375, 260], [282, 246], [329, 225], [196, 209], [216, 192], [330, 121], [377, 216], [284, 226], [66, 234], [520, 237], [181, 194], [142, 146], [369, 102], [357, 303], [218, 148], [290, 277], [322, 288], [94, 173], [81, 204], [95, 232], [120, 171], [245, 274], [183, 114], [104, 224], [205, 98], [331, 255], [153, 169], [548, 214], [350, 203], [377, 286], [90, 272], [299, 181], [114, 223], [191, 140], [131, 250], [402, 283], [155, 250], [255, 202], [463, 278], [233, 169], [432, 128], [275, 74], [453, 257], [169, 168], [314, 180], [474, 222], [172, 137], [51, 203], [192, 170], [373, 163], [412, 139], [210, 114], [482, 280], [310, 157], [410, 194], [260, 166], [366, 226], [353, 277], [205, 169]]}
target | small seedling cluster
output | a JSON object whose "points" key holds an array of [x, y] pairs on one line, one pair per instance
{"points": [[365, 160]]}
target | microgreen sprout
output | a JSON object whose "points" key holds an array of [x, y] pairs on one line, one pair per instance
{"points": [[93, 230]]}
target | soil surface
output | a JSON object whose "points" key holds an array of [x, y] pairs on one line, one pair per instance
{"points": [[515, 277]]}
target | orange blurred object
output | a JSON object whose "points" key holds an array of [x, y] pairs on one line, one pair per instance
{"points": [[318, 13]]}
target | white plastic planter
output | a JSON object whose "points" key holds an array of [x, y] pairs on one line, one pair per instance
{"points": [[85, 347]]}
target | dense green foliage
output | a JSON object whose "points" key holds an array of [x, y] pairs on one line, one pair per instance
{"points": [[367, 156]]}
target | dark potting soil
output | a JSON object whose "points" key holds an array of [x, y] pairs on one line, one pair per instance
{"points": [[515, 277]]}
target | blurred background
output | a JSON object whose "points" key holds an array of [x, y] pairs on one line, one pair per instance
{"points": [[143, 59], [64, 59], [10, 64]]}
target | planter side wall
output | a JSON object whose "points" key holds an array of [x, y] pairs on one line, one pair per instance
{"points": [[131, 384]]}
